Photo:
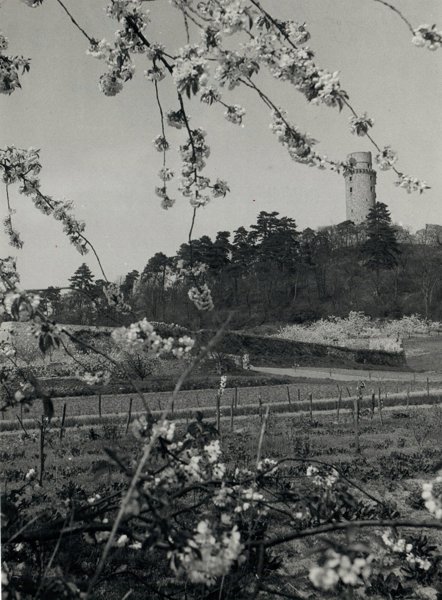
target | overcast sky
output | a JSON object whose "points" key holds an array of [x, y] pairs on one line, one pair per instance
{"points": [[97, 150]]}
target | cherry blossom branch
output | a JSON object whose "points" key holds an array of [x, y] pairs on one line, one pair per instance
{"points": [[345, 526], [398, 12], [88, 37]]}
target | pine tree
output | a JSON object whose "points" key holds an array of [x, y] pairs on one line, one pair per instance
{"points": [[380, 250], [82, 280]]}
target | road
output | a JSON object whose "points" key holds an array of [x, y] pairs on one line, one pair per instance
{"points": [[337, 374]]}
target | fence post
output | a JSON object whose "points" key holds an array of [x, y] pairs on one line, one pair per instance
{"points": [[42, 449], [260, 407], [63, 418], [373, 404], [310, 397], [231, 414], [288, 395], [129, 414], [218, 413], [356, 422], [99, 405], [380, 408], [339, 404], [299, 395], [236, 397], [408, 398], [428, 387]]}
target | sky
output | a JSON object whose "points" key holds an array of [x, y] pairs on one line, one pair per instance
{"points": [[97, 151]]}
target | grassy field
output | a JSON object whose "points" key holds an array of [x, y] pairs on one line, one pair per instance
{"points": [[395, 458]]}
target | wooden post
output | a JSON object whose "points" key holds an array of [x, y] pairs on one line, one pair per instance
{"points": [[428, 388], [42, 449], [231, 414], [23, 427], [218, 413], [236, 397], [63, 418], [373, 404], [99, 405], [21, 411], [356, 423], [260, 407], [339, 403], [348, 392], [172, 407], [408, 398], [380, 408], [129, 414], [299, 395], [310, 397], [288, 395]]}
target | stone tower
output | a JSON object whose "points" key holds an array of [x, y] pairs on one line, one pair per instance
{"points": [[360, 186]]}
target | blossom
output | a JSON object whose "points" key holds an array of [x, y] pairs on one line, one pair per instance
{"points": [[156, 73], [166, 174], [433, 503], [207, 556], [160, 143], [360, 125], [234, 114], [411, 184], [110, 84], [167, 202], [428, 37], [190, 73], [201, 297], [340, 568], [31, 474], [100, 377], [386, 158], [176, 118]]}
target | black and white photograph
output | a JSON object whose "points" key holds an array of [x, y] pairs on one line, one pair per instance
{"points": [[221, 299]]}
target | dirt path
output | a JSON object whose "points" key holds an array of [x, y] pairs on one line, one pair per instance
{"points": [[338, 374]]}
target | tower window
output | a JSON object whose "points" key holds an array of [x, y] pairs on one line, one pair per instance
{"points": [[351, 178], [351, 189]]}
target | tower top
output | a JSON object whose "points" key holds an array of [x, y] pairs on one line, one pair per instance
{"points": [[361, 160]]}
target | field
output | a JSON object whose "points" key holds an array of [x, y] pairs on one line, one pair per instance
{"points": [[395, 458], [63, 485]]}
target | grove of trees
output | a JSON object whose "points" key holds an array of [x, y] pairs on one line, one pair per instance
{"points": [[271, 272]]}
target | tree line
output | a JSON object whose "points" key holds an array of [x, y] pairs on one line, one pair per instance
{"points": [[271, 272]]}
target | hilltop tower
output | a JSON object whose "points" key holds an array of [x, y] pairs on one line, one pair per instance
{"points": [[360, 186]]}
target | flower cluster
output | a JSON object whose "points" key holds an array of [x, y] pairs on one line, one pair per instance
{"points": [[9, 278], [21, 306], [320, 479], [115, 298], [427, 37], [10, 67], [386, 159], [433, 503], [234, 113], [142, 335], [190, 70], [134, 20], [100, 377], [400, 546], [411, 184], [359, 125], [201, 297], [208, 554], [340, 568]]}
